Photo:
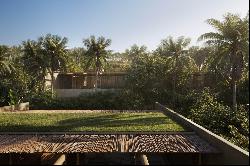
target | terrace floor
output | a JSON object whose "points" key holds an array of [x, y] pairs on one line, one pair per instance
{"points": [[144, 143]]}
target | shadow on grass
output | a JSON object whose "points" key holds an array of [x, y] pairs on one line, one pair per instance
{"points": [[95, 123]]}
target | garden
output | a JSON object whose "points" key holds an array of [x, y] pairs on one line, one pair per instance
{"points": [[218, 102]]}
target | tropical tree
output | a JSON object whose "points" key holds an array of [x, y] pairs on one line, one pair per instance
{"points": [[6, 65], [55, 52], [231, 39], [96, 53], [35, 63], [174, 49], [136, 52], [76, 60], [5, 68], [13, 78], [200, 55]]}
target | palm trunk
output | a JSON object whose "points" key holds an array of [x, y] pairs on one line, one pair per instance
{"points": [[174, 82], [234, 83], [44, 85], [52, 83], [174, 85], [96, 78], [52, 75], [97, 70], [234, 96]]}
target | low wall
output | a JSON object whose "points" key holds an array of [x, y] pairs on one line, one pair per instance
{"points": [[18, 107], [61, 93], [230, 153]]}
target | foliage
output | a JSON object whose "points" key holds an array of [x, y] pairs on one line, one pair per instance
{"points": [[35, 64], [96, 51], [76, 60], [175, 51], [200, 56], [96, 54], [15, 80], [54, 48], [6, 65], [117, 62], [231, 39], [221, 119], [98, 100], [150, 77], [13, 98]]}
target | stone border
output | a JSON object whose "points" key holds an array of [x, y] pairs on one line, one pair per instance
{"points": [[18, 107], [230, 153]]}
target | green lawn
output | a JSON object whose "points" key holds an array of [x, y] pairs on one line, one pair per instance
{"points": [[47, 122]]}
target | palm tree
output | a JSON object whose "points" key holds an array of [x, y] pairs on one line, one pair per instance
{"points": [[174, 49], [96, 53], [231, 38], [199, 56], [76, 60], [136, 52], [35, 63], [6, 65], [54, 49]]}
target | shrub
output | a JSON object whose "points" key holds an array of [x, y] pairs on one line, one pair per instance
{"points": [[211, 114], [119, 100], [221, 119]]}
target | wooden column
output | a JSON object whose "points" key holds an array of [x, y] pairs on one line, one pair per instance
{"points": [[10, 159], [77, 159], [60, 160], [142, 159]]}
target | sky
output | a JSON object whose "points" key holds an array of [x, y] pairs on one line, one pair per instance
{"points": [[125, 22]]}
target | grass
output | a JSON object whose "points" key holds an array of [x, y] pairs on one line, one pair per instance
{"points": [[104, 122]]}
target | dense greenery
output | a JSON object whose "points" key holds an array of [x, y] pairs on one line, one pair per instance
{"points": [[221, 119], [87, 122], [174, 74], [118, 100], [232, 41]]}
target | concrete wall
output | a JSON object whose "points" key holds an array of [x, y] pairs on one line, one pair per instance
{"points": [[61, 93], [230, 153]]}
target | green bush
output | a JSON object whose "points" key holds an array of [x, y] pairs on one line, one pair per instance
{"points": [[221, 119], [119, 100]]}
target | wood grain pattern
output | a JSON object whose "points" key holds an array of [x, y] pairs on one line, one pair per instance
{"points": [[142, 143]]}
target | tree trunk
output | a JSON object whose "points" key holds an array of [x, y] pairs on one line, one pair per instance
{"points": [[44, 84], [234, 78], [52, 75], [174, 82], [52, 83], [97, 70], [234, 95], [96, 78]]}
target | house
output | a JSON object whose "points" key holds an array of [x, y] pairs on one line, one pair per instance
{"points": [[74, 84]]}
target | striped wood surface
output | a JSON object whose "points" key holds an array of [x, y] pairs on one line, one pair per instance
{"points": [[144, 143]]}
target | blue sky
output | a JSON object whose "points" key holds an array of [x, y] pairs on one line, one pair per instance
{"points": [[126, 22]]}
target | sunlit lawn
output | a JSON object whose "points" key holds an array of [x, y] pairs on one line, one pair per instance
{"points": [[47, 122]]}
